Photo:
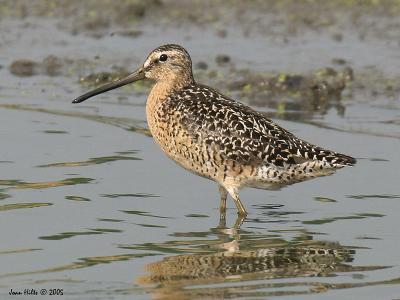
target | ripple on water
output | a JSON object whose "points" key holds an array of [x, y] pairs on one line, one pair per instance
{"points": [[143, 214], [377, 196], [151, 225], [4, 195], [352, 217], [55, 131], [124, 123], [13, 206], [273, 213], [19, 184], [23, 250], [77, 198], [196, 216], [129, 195], [85, 263], [92, 161], [67, 235], [110, 220], [324, 199]]}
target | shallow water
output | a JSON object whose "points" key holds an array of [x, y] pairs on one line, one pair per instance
{"points": [[90, 205]]}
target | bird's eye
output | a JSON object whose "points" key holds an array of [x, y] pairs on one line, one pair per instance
{"points": [[163, 57]]}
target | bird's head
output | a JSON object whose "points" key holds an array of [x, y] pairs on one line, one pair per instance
{"points": [[168, 63]]}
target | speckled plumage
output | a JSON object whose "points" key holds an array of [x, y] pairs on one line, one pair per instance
{"points": [[219, 138]]}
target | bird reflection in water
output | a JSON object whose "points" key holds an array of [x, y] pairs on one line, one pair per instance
{"points": [[238, 263]]}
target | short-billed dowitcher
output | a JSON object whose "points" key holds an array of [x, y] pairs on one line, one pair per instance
{"points": [[217, 137]]}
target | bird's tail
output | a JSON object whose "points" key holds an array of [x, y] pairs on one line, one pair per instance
{"points": [[341, 159], [334, 159]]}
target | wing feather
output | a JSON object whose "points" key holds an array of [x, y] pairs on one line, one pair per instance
{"points": [[242, 134]]}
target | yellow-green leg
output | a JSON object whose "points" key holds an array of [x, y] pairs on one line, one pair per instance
{"points": [[223, 192], [234, 193], [239, 221]]}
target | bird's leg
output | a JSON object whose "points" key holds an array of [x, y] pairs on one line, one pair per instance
{"points": [[222, 207], [222, 223], [239, 221], [241, 210], [224, 193]]}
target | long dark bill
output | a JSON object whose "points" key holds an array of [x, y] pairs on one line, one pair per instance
{"points": [[135, 76]]}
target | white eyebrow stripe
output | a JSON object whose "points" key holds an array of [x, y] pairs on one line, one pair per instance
{"points": [[147, 63]]}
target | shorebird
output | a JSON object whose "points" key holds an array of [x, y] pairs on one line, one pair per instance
{"points": [[217, 137]]}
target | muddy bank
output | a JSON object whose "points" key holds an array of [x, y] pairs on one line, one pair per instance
{"points": [[261, 53], [283, 21], [283, 17]]}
